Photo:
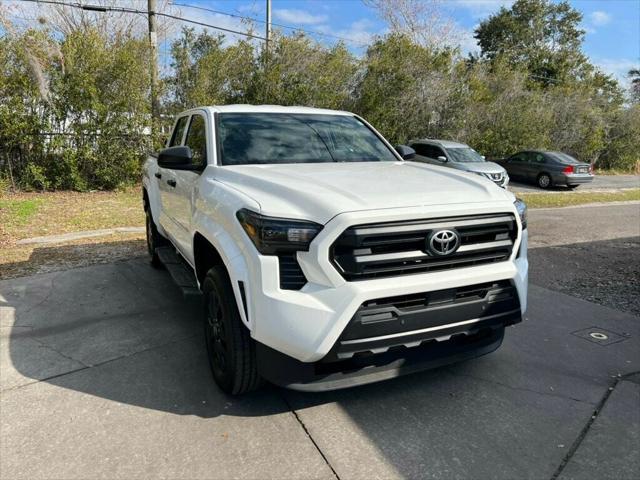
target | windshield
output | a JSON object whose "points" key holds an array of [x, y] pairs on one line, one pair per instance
{"points": [[267, 138], [464, 155]]}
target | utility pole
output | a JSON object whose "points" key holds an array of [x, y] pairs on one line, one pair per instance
{"points": [[268, 32], [153, 43]]}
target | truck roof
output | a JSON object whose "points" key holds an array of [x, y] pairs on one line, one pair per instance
{"points": [[240, 108]]}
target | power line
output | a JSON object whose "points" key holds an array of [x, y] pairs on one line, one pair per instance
{"points": [[253, 19], [100, 8]]}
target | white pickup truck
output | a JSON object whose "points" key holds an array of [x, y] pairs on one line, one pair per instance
{"points": [[325, 257]]}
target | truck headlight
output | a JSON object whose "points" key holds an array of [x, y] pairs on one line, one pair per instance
{"points": [[273, 235], [521, 207]]}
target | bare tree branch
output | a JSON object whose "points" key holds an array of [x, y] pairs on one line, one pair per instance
{"points": [[424, 21]]}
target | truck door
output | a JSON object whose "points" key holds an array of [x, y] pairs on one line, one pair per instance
{"points": [[165, 178], [185, 184]]}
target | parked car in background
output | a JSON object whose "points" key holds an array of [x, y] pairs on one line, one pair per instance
{"points": [[458, 156], [548, 169]]}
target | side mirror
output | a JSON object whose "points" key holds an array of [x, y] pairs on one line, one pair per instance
{"points": [[442, 159], [407, 153], [177, 158]]}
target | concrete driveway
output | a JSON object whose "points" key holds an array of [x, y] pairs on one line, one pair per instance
{"points": [[600, 182], [103, 375]]}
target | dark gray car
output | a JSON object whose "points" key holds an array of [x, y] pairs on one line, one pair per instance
{"points": [[547, 169]]}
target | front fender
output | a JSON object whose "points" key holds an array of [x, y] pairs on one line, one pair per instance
{"points": [[232, 259], [214, 218]]}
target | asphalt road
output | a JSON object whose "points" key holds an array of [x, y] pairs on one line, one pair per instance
{"points": [[600, 182], [591, 253], [103, 375]]}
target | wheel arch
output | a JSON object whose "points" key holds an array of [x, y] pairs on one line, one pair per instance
{"points": [[208, 254]]}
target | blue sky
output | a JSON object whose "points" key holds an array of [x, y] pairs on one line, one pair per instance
{"points": [[612, 39]]}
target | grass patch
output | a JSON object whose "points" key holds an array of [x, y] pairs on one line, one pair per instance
{"points": [[29, 214], [617, 171], [540, 200], [17, 212]]}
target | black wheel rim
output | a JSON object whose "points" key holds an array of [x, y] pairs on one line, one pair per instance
{"points": [[215, 332]]}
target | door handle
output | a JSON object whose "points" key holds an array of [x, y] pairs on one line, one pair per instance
{"points": [[171, 183], [158, 175]]}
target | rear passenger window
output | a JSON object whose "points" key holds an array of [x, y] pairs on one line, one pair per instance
{"points": [[197, 140], [178, 132], [538, 158]]}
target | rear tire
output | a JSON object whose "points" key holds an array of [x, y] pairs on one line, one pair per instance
{"points": [[230, 348], [544, 180], [154, 240]]}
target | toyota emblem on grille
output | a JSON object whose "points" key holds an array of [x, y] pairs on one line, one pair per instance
{"points": [[443, 242]]}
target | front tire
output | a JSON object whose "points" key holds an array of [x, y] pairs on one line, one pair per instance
{"points": [[230, 348], [544, 180]]}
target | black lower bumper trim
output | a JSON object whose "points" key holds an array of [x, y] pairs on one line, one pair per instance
{"points": [[409, 320], [359, 370]]}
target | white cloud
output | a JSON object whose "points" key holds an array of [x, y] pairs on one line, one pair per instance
{"points": [[467, 43], [298, 17], [617, 67], [600, 18], [359, 33]]}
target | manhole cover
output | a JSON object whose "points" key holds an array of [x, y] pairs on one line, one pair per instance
{"points": [[600, 335]]}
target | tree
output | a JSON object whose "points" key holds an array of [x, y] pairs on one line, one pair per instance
{"points": [[208, 71], [300, 71], [623, 147], [634, 75], [416, 97], [541, 36], [423, 21]]}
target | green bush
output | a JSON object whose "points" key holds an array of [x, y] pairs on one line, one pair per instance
{"points": [[92, 90]]}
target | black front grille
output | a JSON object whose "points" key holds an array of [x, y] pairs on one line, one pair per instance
{"points": [[400, 248], [291, 275]]}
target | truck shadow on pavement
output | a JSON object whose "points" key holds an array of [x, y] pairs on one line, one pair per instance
{"points": [[121, 335]]}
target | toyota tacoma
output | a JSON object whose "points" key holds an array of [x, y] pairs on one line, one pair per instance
{"points": [[324, 256]]}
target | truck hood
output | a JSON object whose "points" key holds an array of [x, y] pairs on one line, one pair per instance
{"points": [[320, 191]]}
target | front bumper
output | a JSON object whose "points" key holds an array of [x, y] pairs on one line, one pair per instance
{"points": [[306, 324], [393, 336]]}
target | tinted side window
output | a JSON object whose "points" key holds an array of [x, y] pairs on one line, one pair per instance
{"points": [[435, 152], [197, 140], [538, 158], [420, 149], [178, 132], [526, 157]]}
